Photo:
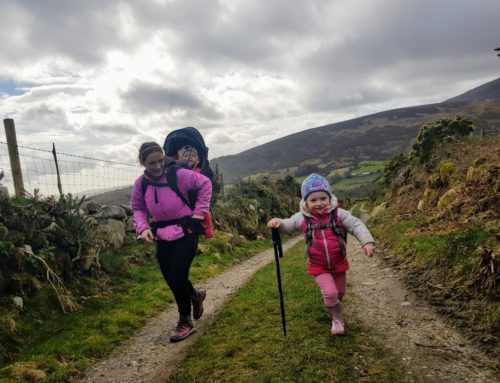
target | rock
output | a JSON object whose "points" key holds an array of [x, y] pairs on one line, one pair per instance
{"points": [[447, 198], [114, 212], [18, 302], [90, 260], [4, 193], [93, 208], [230, 238], [127, 208], [421, 204], [113, 232], [130, 225]]}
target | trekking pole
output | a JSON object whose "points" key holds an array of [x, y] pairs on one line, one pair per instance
{"points": [[278, 253]]}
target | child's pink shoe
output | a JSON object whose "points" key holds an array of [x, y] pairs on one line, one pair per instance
{"points": [[337, 320]]}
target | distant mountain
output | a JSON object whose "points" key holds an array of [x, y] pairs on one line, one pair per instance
{"points": [[373, 137], [490, 90]]}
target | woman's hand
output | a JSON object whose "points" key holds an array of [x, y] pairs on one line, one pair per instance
{"points": [[273, 223], [147, 235], [369, 249]]}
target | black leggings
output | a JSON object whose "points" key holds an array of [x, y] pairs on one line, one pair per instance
{"points": [[175, 258]]}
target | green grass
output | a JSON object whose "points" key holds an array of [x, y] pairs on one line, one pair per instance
{"points": [[370, 166], [300, 179], [341, 172], [63, 345], [354, 181], [247, 345]]}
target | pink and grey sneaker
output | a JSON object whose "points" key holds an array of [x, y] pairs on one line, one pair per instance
{"points": [[183, 329], [337, 320], [197, 301]]}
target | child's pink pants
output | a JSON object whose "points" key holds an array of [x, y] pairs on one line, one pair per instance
{"points": [[332, 287]]}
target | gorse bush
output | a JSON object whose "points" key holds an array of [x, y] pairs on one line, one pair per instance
{"points": [[443, 131], [252, 202]]}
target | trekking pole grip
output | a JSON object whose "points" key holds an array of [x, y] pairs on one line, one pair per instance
{"points": [[276, 238]]}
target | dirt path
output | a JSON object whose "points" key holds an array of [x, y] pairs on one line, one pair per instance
{"points": [[431, 349], [149, 356]]}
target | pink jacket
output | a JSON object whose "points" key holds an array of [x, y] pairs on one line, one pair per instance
{"points": [[162, 204], [325, 253]]}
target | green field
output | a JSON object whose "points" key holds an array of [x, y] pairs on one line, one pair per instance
{"points": [[370, 166], [355, 181]]}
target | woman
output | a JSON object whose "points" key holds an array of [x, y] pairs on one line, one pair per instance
{"points": [[174, 228]]}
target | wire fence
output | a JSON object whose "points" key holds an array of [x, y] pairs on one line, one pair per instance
{"points": [[80, 176]]}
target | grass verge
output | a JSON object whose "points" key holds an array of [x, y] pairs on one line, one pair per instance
{"points": [[453, 271], [53, 347], [247, 345]]}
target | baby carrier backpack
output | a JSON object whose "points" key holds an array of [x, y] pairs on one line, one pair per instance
{"points": [[173, 142], [189, 136]]}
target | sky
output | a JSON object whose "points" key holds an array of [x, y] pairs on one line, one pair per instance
{"points": [[99, 77]]}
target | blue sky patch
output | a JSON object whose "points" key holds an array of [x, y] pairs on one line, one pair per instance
{"points": [[14, 88]]}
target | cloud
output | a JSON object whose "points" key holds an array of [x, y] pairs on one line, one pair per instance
{"points": [[112, 131], [80, 31], [143, 97], [103, 76]]}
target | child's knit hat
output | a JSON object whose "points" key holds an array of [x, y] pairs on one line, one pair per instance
{"points": [[313, 183]]}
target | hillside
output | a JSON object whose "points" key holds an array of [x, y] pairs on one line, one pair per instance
{"points": [[374, 137], [438, 221]]}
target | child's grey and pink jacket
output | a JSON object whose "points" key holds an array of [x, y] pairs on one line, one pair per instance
{"points": [[163, 204], [325, 254]]}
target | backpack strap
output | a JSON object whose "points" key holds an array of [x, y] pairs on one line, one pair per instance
{"points": [[172, 184], [309, 235], [339, 231]]}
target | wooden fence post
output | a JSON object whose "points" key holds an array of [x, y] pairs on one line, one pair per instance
{"points": [[59, 186], [15, 163]]}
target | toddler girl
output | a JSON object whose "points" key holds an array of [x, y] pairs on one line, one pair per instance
{"points": [[325, 226]]}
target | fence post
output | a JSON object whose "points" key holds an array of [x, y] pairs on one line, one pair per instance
{"points": [[15, 163], [59, 186]]}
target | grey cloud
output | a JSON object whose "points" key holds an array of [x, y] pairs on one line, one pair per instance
{"points": [[45, 117], [147, 97], [219, 33], [346, 96], [82, 31], [221, 138], [113, 130], [380, 60], [41, 93]]}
